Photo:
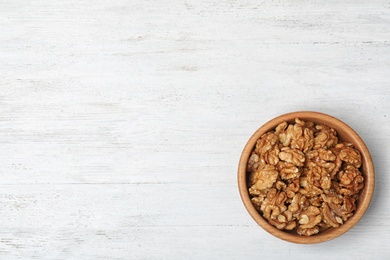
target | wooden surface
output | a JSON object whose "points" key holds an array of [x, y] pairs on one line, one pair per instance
{"points": [[122, 122]]}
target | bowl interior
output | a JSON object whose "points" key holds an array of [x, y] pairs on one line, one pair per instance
{"points": [[345, 134]]}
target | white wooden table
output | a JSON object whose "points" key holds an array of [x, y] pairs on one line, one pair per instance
{"points": [[122, 122]]}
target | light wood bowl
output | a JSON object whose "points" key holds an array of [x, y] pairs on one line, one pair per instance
{"points": [[345, 133]]}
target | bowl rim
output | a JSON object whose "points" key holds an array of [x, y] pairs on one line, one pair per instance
{"points": [[338, 125]]}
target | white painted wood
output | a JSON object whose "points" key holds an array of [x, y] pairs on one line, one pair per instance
{"points": [[122, 122]]}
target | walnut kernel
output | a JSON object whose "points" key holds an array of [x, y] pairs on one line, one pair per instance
{"points": [[302, 178]]}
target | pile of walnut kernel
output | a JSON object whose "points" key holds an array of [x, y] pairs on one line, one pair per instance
{"points": [[302, 178]]}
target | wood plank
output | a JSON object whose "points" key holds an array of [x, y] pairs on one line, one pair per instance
{"points": [[121, 123]]}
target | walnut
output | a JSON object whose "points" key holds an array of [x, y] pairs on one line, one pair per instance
{"points": [[310, 217], [298, 204], [292, 188], [280, 129], [351, 156], [288, 218], [298, 136], [280, 185], [254, 192], [326, 137], [321, 154], [275, 210], [293, 156], [287, 171], [263, 178], [308, 231], [283, 221], [265, 143], [347, 208], [266, 152], [254, 162], [323, 158], [337, 209], [318, 176], [272, 156], [337, 150], [316, 201], [305, 141], [334, 210], [332, 198], [303, 179], [351, 181], [328, 166], [343, 210], [308, 188], [275, 198], [323, 226], [272, 206], [336, 168], [286, 135], [280, 200], [258, 199], [329, 217], [270, 211], [276, 223], [290, 225]]}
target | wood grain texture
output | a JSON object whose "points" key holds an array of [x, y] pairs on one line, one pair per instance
{"points": [[121, 124]]}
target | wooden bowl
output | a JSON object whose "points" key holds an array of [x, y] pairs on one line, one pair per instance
{"points": [[345, 133]]}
